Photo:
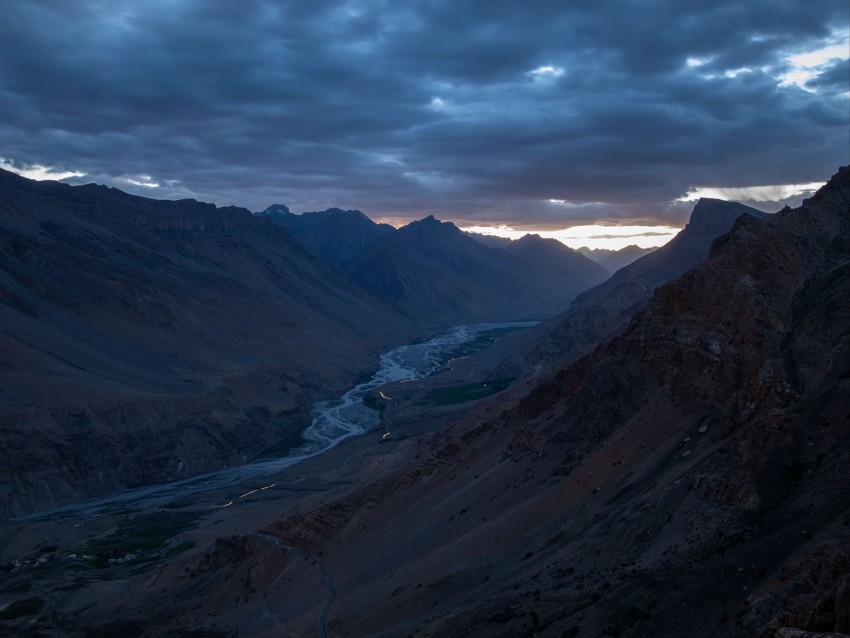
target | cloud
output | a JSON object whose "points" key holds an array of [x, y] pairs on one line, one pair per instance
{"points": [[775, 193], [591, 236], [486, 110], [37, 171]]}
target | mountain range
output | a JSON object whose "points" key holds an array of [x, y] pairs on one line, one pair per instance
{"points": [[672, 464], [334, 235], [686, 477], [147, 340], [432, 271], [613, 260]]}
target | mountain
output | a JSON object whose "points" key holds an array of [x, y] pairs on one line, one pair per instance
{"points": [[613, 260], [600, 311], [493, 241], [433, 271], [686, 478], [336, 236], [551, 256], [146, 340]]}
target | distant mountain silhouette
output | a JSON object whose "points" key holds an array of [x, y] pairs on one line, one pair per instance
{"points": [[613, 260], [144, 340], [337, 236], [598, 312], [433, 271], [554, 258], [436, 274]]}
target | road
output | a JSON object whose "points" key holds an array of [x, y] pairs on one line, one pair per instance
{"points": [[321, 620]]}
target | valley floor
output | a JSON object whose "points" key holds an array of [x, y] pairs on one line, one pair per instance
{"points": [[71, 573]]}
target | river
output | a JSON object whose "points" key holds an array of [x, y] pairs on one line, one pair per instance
{"points": [[335, 420]]}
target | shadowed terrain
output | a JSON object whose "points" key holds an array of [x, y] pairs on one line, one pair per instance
{"points": [[146, 340], [685, 476]]}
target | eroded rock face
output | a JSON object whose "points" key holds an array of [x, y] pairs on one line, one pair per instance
{"points": [[812, 595], [60, 454], [227, 553], [313, 531]]}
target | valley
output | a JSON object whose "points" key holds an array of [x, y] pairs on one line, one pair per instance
{"points": [[666, 456], [125, 539], [351, 319]]}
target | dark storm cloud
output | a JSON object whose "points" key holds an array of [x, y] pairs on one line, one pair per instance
{"points": [[471, 110]]}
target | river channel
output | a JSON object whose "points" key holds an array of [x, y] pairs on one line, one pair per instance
{"points": [[335, 420]]}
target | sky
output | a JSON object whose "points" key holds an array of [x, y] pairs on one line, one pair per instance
{"points": [[504, 116]]}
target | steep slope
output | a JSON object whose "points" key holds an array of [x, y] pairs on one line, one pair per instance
{"points": [[434, 272], [144, 340], [686, 478], [336, 236], [600, 311]]}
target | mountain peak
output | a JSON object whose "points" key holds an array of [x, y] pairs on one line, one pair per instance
{"points": [[530, 238], [276, 208], [709, 214], [430, 224]]}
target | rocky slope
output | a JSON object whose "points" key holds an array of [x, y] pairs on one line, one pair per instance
{"points": [[145, 340], [600, 311], [433, 271], [686, 478]]}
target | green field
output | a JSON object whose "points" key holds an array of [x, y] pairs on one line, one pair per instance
{"points": [[142, 532]]}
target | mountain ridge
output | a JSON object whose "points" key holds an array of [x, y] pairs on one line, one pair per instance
{"points": [[685, 476], [208, 329], [336, 236], [599, 311], [433, 270]]}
